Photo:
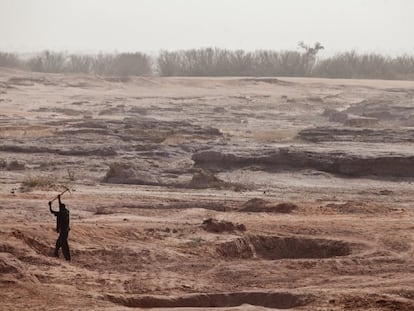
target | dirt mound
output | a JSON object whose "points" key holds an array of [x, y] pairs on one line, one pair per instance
{"points": [[126, 173], [216, 226], [260, 205], [255, 203], [205, 179], [215, 300], [275, 247], [335, 115]]}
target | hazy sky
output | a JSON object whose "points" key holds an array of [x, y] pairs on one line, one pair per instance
{"points": [[385, 26]]}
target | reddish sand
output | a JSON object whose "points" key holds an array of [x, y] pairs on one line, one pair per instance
{"points": [[287, 236]]}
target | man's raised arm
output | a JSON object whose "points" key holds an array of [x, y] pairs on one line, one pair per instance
{"points": [[50, 208]]}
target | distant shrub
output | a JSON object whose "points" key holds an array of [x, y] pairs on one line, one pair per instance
{"points": [[47, 61], [131, 64], [353, 65], [205, 62], [37, 181], [102, 64], [285, 63], [79, 63], [9, 60], [124, 64]]}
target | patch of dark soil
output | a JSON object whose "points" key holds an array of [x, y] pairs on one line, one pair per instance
{"points": [[266, 80], [315, 99], [26, 149], [260, 205], [340, 163], [219, 110], [219, 226], [80, 151], [276, 247], [80, 102], [184, 97], [182, 205], [14, 166], [80, 84], [156, 131], [101, 152], [376, 302], [282, 300], [321, 134], [120, 79], [85, 131]]}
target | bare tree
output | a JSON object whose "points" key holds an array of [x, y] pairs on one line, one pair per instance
{"points": [[310, 54]]}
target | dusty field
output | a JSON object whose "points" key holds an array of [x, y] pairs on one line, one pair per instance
{"points": [[207, 193]]}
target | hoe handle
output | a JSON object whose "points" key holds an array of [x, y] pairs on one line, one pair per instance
{"points": [[55, 198]]}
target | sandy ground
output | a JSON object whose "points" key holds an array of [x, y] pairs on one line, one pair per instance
{"points": [[152, 226]]}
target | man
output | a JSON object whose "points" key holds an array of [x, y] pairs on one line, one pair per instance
{"points": [[62, 226]]}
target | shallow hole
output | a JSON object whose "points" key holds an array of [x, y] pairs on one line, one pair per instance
{"points": [[275, 247], [219, 300]]}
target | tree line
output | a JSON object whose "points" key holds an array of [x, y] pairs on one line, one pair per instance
{"points": [[222, 62]]}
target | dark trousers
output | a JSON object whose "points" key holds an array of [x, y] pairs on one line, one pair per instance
{"points": [[62, 242]]}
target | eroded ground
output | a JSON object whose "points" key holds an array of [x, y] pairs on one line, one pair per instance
{"points": [[232, 193]]}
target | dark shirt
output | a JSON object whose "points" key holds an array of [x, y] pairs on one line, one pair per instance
{"points": [[62, 220]]}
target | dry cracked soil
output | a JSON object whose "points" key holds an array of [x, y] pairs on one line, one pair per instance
{"points": [[207, 193]]}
